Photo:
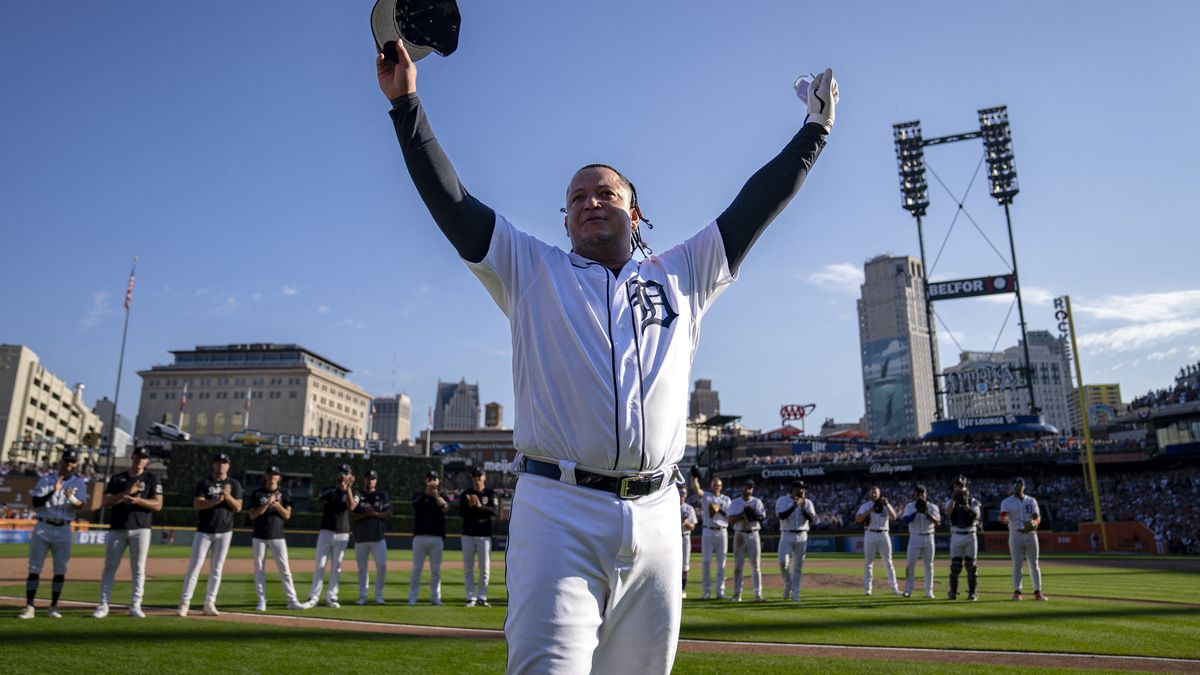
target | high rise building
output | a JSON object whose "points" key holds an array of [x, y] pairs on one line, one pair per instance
{"points": [[897, 359], [493, 416], [123, 437], [214, 391], [704, 402], [39, 413], [1102, 401], [456, 407], [392, 422]]}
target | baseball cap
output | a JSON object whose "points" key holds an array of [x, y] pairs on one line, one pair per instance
{"points": [[961, 480], [141, 451], [1018, 481], [422, 25], [372, 473], [798, 484], [221, 457], [432, 474], [344, 469], [749, 482], [273, 471], [478, 471], [919, 488], [70, 455]]}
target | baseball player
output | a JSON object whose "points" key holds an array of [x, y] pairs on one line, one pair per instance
{"points": [[876, 515], [1020, 512], [687, 517], [216, 500], [602, 351], [429, 533], [478, 507], [965, 516], [339, 500], [270, 508], [56, 503], [921, 517], [796, 516], [747, 513], [714, 542], [369, 523], [134, 496]]}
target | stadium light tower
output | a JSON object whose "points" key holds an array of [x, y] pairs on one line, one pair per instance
{"points": [[914, 198]]}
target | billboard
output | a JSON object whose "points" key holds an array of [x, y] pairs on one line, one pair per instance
{"points": [[970, 288], [887, 381]]}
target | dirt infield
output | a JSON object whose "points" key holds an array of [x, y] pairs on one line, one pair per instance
{"points": [[949, 656]]}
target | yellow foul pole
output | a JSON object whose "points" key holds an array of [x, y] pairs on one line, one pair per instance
{"points": [[1063, 306]]}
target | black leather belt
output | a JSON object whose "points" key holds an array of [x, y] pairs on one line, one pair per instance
{"points": [[874, 530], [795, 531], [714, 528], [56, 523], [631, 486], [962, 531]]}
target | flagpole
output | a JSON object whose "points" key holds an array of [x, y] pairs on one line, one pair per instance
{"points": [[112, 420]]}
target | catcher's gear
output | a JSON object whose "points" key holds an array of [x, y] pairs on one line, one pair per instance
{"points": [[962, 516], [962, 480]]}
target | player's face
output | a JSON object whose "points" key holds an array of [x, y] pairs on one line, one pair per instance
{"points": [[272, 481], [370, 483], [599, 219], [716, 486], [67, 466], [874, 493], [798, 493], [747, 491], [432, 483], [220, 470], [477, 482], [918, 494], [140, 462]]}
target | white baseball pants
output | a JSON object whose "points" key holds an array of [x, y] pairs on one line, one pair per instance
{"points": [[138, 543], [919, 546], [52, 539], [426, 545], [964, 546], [279, 551], [714, 543], [878, 543], [331, 549], [364, 551], [793, 546], [477, 551], [1023, 546], [747, 546], [201, 543], [687, 551], [593, 580]]}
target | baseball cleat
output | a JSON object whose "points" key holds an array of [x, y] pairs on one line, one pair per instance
{"points": [[737, 597], [867, 593], [379, 601], [27, 613], [483, 602], [136, 612], [972, 597], [896, 591], [210, 609], [360, 601], [297, 606], [182, 611], [54, 613], [101, 612], [952, 595], [470, 602], [412, 602], [683, 595], [1037, 595], [929, 595], [435, 602], [261, 606], [333, 604], [759, 598], [706, 596], [907, 594], [1017, 595]]}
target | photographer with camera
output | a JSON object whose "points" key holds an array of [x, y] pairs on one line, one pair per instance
{"points": [[921, 518], [747, 513], [965, 517], [876, 515]]}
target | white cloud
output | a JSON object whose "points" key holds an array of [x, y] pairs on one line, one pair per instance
{"points": [[1159, 356], [98, 310], [1137, 336], [258, 296], [290, 291], [231, 304], [839, 277], [323, 309], [1144, 307]]}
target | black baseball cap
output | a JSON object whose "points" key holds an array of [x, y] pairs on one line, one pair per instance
{"points": [[372, 473], [221, 457], [1018, 481], [344, 469], [749, 482], [478, 471], [422, 25], [798, 484], [432, 474], [70, 455], [961, 480], [920, 488], [273, 471], [141, 451]]}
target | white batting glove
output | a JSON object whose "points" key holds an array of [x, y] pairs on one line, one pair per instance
{"points": [[821, 96]]}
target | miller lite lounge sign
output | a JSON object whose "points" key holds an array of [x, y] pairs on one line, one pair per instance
{"points": [[970, 288]]}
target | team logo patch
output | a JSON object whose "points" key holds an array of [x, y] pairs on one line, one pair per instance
{"points": [[649, 300]]}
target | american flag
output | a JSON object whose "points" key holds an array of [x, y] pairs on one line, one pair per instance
{"points": [[129, 288], [183, 397]]}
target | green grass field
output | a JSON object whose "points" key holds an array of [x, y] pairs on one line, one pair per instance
{"points": [[1114, 606]]}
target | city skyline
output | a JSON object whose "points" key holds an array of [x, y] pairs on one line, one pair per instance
{"points": [[270, 204]]}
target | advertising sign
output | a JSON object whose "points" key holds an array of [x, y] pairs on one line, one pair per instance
{"points": [[970, 288]]}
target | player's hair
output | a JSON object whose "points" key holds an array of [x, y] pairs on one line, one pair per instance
{"points": [[637, 244]]}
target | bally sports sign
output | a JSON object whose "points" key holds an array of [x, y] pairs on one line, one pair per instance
{"points": [[969, 288]]}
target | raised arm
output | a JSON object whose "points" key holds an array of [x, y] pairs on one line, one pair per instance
{"points": [[465, 221], [770, 189]]}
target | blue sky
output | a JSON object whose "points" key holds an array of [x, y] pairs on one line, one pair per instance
{"points": [[242, 150]]}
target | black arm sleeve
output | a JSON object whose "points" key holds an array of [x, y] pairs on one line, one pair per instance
{"points": [[784, 514], [39, 502], [466, 221], [767, 193]]}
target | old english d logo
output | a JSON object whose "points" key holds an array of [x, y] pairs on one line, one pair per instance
{"points": [[650, 301]]}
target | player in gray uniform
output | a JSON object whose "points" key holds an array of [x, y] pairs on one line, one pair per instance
{"points": [[369, 524], [747, 513], [687, 518], [963, 512], [796, 516], [1021, 513], [922, 517], [134, 497], [602, 344], [56, 504], [876, 515], [714, 542]]}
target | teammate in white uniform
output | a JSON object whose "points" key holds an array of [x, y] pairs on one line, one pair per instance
{"points": [[747, 513], [796, 516], [57, 498], [714, 541], [922, 517], [216, 501], [876, 515], [602, 352], [134, 497], [1021, 513], [964, 514], [687, 518]]}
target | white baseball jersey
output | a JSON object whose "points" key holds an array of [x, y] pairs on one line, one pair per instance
{"points": [[601, 362], [921, 523], [740, 506], [799, 520], [875, 521], [57, 507], [687, 515], [722, 517], [1019, 511]]}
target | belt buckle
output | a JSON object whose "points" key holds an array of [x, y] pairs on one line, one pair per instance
{"points": [[631, 487]]}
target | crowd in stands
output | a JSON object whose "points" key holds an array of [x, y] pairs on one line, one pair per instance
{"points": [[1186, 390]]}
